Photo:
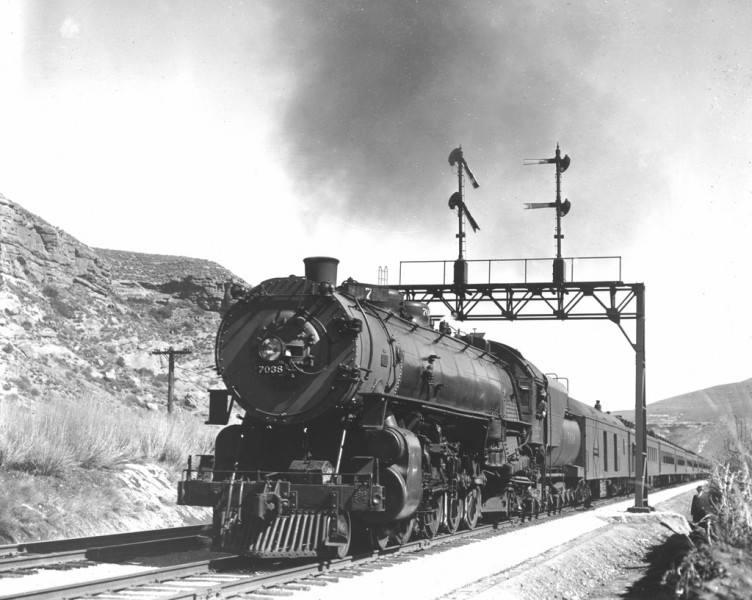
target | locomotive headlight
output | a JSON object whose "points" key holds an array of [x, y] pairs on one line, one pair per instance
{"points": [[271, 349]]}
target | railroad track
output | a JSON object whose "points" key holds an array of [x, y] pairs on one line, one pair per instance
{"points": [[210, 579], [233, 577], [224, 577], [35, 554]]}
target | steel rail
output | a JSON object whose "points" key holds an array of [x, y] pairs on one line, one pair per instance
{"points": [[75, 590], [23, 561], [107, 539], [284, 577], [32, 554]]}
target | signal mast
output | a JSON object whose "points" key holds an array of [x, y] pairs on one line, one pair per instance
{"points": [[562, 208], [456, 200]]}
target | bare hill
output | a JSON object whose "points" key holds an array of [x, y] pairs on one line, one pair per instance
{"points": [[704, 420]]}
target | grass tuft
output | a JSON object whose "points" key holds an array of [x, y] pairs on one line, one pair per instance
{"points": [[55, 438], [731, 489]]}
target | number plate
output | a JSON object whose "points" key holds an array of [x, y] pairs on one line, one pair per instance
{"points": [[271, 369]]}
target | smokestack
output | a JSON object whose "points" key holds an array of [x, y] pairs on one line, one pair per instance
{"points": [[321, 268]]}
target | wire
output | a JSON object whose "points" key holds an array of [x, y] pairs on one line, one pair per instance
{"points": [[191, 370], [197, 386]]}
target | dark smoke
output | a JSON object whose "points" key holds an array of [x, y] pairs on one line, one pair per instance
{"points": [[384, 91]]}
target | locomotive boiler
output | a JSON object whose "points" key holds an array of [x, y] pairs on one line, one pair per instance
{"points": [[362, 420]]}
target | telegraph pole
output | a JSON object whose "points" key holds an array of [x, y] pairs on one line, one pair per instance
{"points": [[170, 352]]}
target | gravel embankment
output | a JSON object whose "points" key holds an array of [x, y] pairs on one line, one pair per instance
{"points": [[623, 560]]}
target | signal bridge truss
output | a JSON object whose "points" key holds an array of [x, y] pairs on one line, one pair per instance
{"points": [[478, 298]]}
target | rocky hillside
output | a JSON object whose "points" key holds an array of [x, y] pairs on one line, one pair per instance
{"points": [[81, 322], [706, 420]]}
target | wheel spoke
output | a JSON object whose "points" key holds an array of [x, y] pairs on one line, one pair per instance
{"points": [[472, 505], [432, 519], [454, 510]]}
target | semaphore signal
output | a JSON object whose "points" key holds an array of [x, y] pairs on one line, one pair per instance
{"points": [[457, 200], [562, 208]]}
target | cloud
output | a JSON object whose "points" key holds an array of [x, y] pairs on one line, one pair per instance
{"points": [[70, 29]]}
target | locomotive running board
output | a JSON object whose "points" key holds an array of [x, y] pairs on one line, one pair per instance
{"points": [[425, 404]]}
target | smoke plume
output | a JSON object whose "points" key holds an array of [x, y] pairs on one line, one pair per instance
{"points": [[384, 90]]}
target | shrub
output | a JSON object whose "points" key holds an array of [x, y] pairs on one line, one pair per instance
{"points": [[730, 531], [51, 291], [161, 313], [63, 308], [22, 383], [731, 491], [698, 566]]}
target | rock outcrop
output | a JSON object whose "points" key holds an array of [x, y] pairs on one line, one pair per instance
{"points": [[200, 281], [79, 321], [33, 251]]}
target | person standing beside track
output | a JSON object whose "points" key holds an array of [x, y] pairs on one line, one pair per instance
{"points": [[527, 503], [583, 494], [553, 498]]}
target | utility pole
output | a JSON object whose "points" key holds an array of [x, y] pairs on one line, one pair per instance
{"points": [[170, 352]]}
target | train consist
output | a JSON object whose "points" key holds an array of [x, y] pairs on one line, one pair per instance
{"points": [[361, 419]]}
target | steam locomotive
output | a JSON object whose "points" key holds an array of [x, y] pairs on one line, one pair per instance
{"points": [[362, 420]]}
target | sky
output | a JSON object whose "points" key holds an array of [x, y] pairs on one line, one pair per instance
{"points": [[257, 133]]}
